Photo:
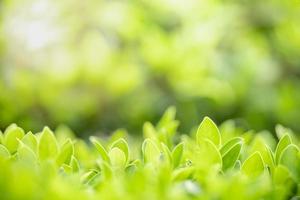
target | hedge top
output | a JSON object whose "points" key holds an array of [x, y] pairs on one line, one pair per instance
{"points": [[211, 163]]}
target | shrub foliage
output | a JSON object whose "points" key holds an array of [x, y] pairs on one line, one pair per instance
{"points": [[210, 163]]}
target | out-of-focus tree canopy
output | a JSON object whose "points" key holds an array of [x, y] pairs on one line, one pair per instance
{"points": [[107, 64]]}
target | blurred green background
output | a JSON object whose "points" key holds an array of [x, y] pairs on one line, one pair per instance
{"points": [[106, 64]]}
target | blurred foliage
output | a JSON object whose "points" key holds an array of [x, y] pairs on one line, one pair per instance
{"points": [[212, 163], [106, 64]]}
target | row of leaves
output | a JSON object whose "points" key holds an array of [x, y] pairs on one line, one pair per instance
{"points": [[211, 163]]}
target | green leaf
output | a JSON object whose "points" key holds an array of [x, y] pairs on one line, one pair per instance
{"points": [[117, 134], [137, 163], [151, 152], [268, 158], [228, 145], [130, 169], [47, 146], [123, 145], [208, 130], [283, 182], [281, 175], [282, 144], [30, 140], [25, 153], [281, 131], [228, 130], [4, 153], [65, 154], [207, 154], [100, 149], [106, 170], [182, 173], [67, 168], [89, 176], [167, 126], [11, 136], [62, 133], [260, 145], [177, 154], [290, 158], [230, 157], [149, 131], [169, 116], [117, 157], [74, 164], [166, 153], [238, 165], [12, 126], [253, 166]]}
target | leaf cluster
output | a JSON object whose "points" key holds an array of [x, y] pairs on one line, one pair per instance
{"points": [[211, 163]]}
